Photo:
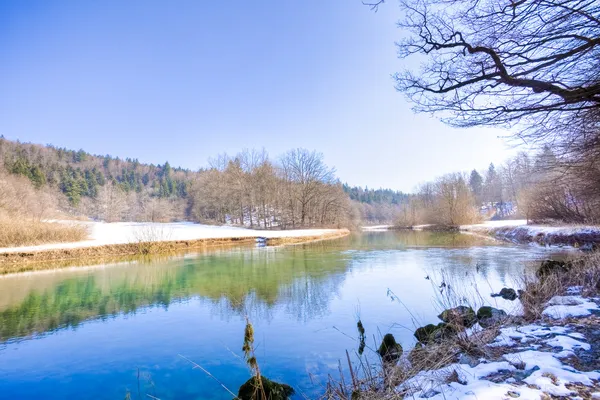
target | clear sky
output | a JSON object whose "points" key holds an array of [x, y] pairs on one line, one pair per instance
{"points": [[186, 80]]}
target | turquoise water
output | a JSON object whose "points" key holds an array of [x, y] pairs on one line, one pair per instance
{"points": [[105, 331]]}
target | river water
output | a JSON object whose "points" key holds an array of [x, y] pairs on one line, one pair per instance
{"points": [[105, 331]]}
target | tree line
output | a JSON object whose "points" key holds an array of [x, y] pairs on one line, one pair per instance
{"points": [[376, 206], [296, 190], [534, 187]]}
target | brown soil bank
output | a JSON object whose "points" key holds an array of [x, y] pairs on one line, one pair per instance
{"points": [[11, 262]]}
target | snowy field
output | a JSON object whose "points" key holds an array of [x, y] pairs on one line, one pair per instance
{"points": [[102, 233]]}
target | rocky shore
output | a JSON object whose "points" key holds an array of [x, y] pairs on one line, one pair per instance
{"points": [[555, 357]]}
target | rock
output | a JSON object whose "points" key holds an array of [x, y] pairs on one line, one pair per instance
{"points": [[434, 333], [460, 317], [468, 360], [425, 333], [430, 393], [588, 247], [507, 294], [490, 316], [549, 267], [390, 350], [273, 390], [522, 375]]}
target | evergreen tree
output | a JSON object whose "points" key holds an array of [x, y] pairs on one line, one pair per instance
{"points": [[37, 176], [476, 183], [493, 185]]}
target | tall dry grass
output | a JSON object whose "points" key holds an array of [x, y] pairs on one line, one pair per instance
{"points": [[537, 291], [28, 232], [23, 209]]}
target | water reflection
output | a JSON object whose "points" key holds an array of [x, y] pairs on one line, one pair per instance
{"points": [[302, 279], [142, 314]]}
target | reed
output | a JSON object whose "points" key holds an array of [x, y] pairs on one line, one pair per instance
{"points": [[16, 232]]}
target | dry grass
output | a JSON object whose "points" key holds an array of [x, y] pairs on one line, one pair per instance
{"points": [[585, 273], [22, 262], [369, 382], [152, 239], [19, 261], [391, 382], [27, 232], [307, 239]]}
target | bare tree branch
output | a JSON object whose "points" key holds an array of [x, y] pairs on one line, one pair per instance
{"points": [[493, 62]]}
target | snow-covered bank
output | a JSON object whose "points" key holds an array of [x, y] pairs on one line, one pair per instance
{"points": [[552, 358], [103, 234], [377, 228], [518, 231]]}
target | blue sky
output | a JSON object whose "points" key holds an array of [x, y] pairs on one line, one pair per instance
{"points": [[186, 80]]}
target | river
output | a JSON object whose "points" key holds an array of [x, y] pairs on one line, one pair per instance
{"points": [[104, 331]]}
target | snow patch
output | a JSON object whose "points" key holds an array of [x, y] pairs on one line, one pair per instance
{"points": [[103, 233], [508, 377], [569, 306]]}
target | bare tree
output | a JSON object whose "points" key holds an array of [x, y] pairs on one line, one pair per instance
{"points": [[111, 203], [208, 197], [306, 171], [455, 203], [491, 62]]}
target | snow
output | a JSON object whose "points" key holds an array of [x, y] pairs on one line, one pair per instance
{"points": [[547, 373], [495, 224], [532, 229], [513, 335], [427, 384], [569, 306], [568, 343], [421, 227], [552, 375], [430, 384], [377, 228], [102, 233], [528, 372], [574, 289], [473, 330], [518, 231]]}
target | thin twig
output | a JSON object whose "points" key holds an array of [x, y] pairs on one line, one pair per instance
{"points": [[209, 374]]}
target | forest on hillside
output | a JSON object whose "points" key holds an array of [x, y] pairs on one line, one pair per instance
{"points": [[297, 190]]}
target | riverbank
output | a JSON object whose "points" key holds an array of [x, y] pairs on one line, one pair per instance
{"points": [[550, 349], [518, 231], [108, 240], [553, 357]]}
